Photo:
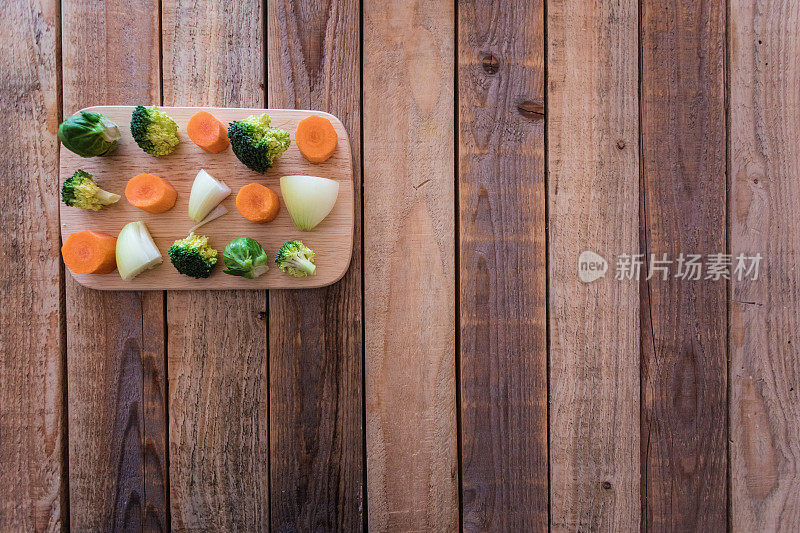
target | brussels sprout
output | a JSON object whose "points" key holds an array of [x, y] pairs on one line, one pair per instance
{"points": [[89, 134], [245, 257]]}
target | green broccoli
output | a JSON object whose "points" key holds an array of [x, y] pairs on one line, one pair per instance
{"points": [[256, 143], [193, 256], [296, 259], [80, 190], [153, 131]]}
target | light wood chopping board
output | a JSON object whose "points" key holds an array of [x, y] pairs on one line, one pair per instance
{"points": [[332, 240]]}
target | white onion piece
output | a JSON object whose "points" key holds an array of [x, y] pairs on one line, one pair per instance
{"points": [[136, 251], [309, 199], [213, 215], [207, 193]]}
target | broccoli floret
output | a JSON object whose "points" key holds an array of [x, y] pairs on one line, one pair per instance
{"points": [[256, 143], [153, 131], [296, 259], [193, 256], [80, 190]]}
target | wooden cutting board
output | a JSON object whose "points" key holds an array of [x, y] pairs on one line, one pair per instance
{"points": [[332, 240]]}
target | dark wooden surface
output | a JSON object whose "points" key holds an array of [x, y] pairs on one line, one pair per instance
{"points": [[213, 54], [502, 258], [117, 432], [315, 339], [32, 402], [459, 376], [683, 203]]}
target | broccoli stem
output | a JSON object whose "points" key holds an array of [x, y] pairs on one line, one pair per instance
{"points": [[304, 264], [106, 197]]}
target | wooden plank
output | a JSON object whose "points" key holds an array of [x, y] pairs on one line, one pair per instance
{"points": [[115, 341], [765, 196], [316, 433], [503, 277], [684, 322], [217, 353], [412, 466], [332, 239], [593, 189], [31, 318]]}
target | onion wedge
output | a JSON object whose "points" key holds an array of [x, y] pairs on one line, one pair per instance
{"points": [[309, 199], [207, 193], [136, 251]]}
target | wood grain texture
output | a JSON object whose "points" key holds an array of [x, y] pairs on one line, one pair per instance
{"points": [[684, 322], [503, 276], [115, 341], [217, 353], [412, 467], [594, 327], [764, 313], [33, 496], [331, 240], [316, 430]]}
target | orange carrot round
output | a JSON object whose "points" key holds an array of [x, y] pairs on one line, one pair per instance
{"points": [[150, 193], [316, 138], [90, 252], [207, 132], [257, 203]]}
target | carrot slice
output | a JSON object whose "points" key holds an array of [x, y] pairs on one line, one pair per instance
{"points": [[90, 252], [150, 193], [316, 138], [207, 132], [257, 203]]}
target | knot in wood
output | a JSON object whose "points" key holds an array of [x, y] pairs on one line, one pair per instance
{"points": [[489, 63]]}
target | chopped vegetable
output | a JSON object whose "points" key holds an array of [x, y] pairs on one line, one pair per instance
{"points": [[213, 215], [308, 199], [256, 143], [295, 259], [245, 257], [315, 138], [89, 134], [193, 256], [207, 193], [136, 251], [80, 190], [154, 131], [89, 252], [257, 203], [207, 132], [150, 193]]}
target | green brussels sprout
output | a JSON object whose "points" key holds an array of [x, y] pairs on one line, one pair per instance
{"points": [[245, 257], [89, 134]]}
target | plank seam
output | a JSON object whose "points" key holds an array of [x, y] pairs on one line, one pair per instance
{"points": [[728, 283], [546, 178], [644, 443], [364, 492], [266, 321], [457, 265], [62, 294]]}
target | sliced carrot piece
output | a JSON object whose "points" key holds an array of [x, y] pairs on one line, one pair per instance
{"points": [[150, 193], [207, 132], [90, 252], [316, 138], [257, 203]]}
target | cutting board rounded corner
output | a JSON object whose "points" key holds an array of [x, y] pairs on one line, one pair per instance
{"points": [[332, 240]]}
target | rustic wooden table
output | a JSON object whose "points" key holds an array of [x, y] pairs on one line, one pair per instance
{"points": [[461, 374]]}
